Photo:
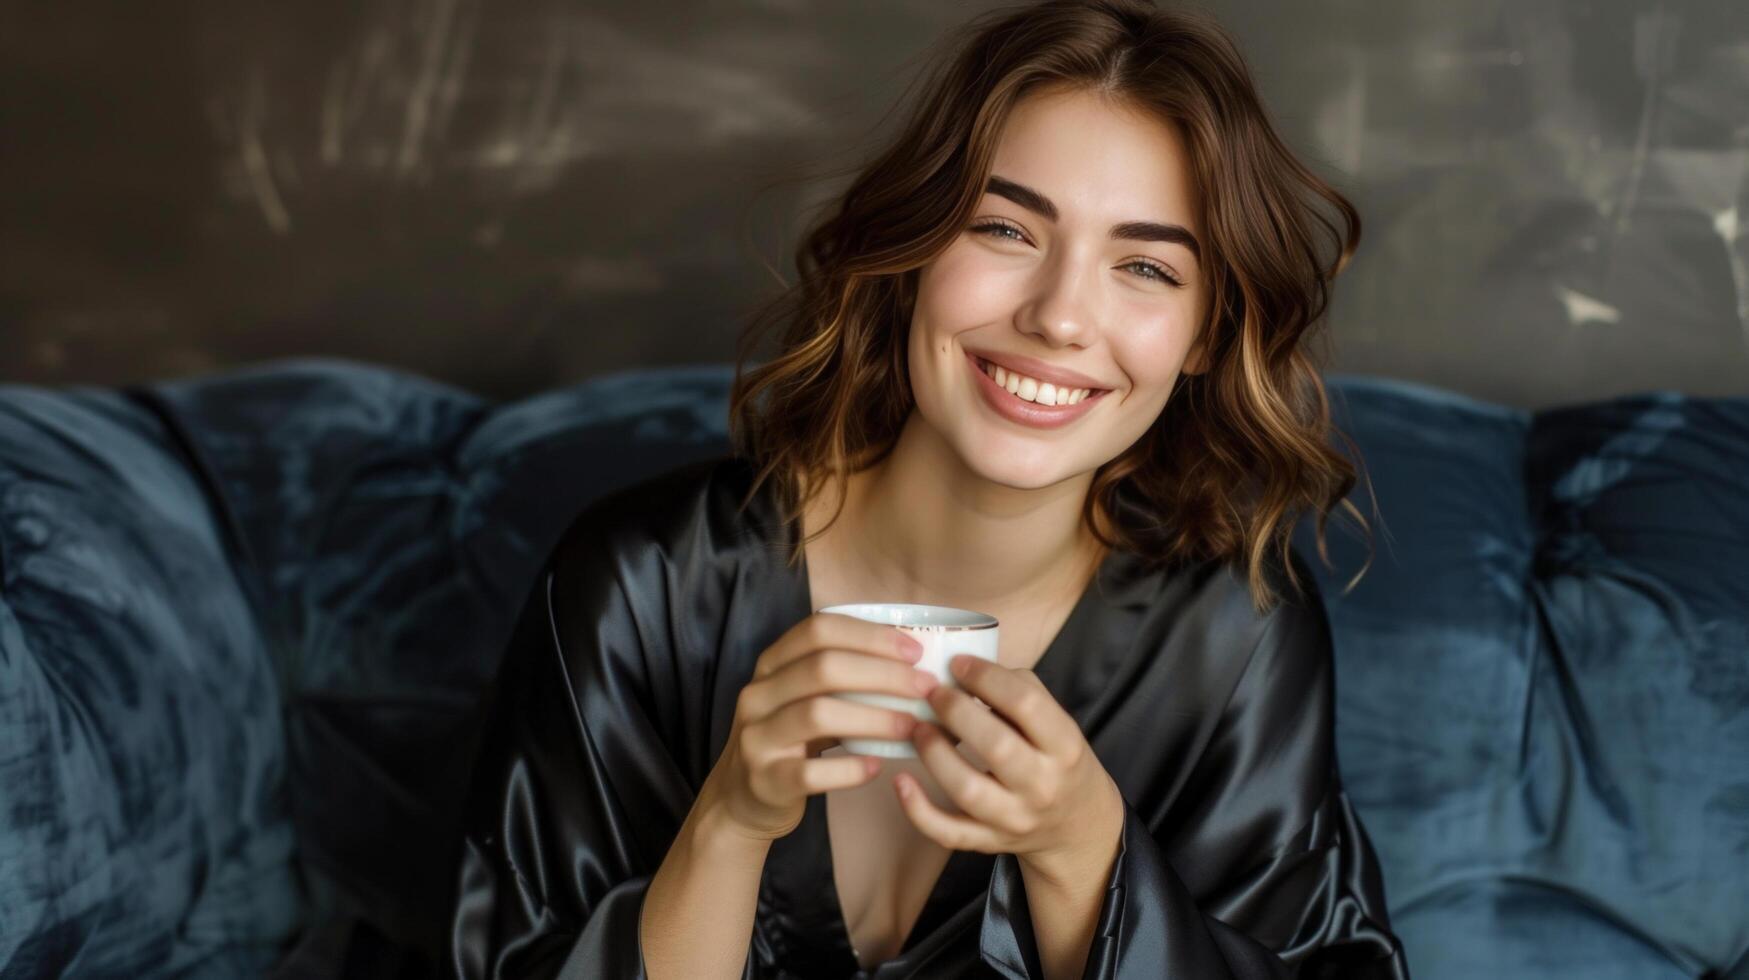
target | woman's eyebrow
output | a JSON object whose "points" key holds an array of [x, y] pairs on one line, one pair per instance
{"points": [[1139, 231]]}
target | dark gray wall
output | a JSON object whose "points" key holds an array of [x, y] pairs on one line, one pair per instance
{"points": [[518, 194]]}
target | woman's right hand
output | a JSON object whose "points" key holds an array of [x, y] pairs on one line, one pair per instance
{"points": [[786, 716]]}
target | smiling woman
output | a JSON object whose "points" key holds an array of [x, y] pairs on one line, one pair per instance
{"points": [[1046, 360], [1102, 180]]}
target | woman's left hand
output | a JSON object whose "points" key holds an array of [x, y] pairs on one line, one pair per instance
{"points": [[1046, 799]]}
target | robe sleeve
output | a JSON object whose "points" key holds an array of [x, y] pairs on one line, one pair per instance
{"points": [[576, 794], [1260, 870]]}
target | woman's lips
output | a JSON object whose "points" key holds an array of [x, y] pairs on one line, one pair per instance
{"points": [[1023, 412]]}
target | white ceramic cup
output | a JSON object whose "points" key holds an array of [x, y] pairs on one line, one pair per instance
{"points": [[945, 633]]}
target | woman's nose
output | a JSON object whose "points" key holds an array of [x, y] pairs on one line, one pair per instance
{"points": [[1061, 313]]}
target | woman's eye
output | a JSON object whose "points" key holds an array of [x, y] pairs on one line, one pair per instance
{"points": [[1155, 272], [995, 229], [998, 226]]}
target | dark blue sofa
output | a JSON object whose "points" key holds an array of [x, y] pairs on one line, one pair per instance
{"points": [[245, 620]]}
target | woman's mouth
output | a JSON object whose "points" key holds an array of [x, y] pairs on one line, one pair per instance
{"points": [[1027, 401]]}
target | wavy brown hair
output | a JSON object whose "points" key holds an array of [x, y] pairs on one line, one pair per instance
{"points": [[1239, 452]]}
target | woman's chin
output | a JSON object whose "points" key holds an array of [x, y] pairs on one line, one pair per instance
{"points": [[1014, 466]]}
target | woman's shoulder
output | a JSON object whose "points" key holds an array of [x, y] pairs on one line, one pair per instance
{"points": [[1289, 643], [693, 509], [1218, 585], [1225, 583], [1288, 640], [668, 568]]}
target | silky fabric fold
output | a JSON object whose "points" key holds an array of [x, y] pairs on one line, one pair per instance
{"points": [[1240, 855]]}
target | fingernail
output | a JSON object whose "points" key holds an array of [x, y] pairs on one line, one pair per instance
{"points": [[924, 681], [909, 646]]}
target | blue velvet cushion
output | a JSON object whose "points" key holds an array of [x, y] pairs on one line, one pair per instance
{"points": [[1543, 682], [187, 563], [143, 817], [392, 526]]}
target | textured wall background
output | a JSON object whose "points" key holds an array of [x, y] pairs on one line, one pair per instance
{"points": [[515, 194]]}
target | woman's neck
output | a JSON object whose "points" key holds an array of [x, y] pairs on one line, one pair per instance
{"points": [[922, 527]]}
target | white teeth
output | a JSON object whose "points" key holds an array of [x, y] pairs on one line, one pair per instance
{"points": [[1033, 390]]}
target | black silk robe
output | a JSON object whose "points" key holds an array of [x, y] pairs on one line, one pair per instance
{"points": [[1240, 857]]}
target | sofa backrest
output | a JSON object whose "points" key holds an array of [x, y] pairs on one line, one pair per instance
{"points": [[144, 823], [392, 526], [247, 619], [245, 625], [1543, 680]]}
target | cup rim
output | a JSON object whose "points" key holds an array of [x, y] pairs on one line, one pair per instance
{"points": [[982, 621]]}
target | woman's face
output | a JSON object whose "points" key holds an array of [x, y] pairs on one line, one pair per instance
{"points": [[1064, 291]]}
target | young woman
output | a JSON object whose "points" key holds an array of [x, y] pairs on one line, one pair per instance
{"points": [[1045, 361]]}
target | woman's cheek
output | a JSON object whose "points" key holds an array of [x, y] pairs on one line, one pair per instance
{"points": [[969, 289], [1158, 347]]}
